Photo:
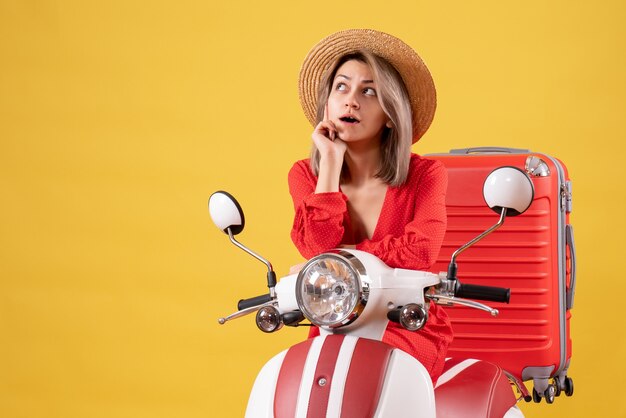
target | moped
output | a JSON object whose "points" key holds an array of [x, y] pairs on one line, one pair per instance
{"points": [[351, 295]]}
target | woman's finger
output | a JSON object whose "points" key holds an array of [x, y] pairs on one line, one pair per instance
{"points": [[326, 129], [333, 131], [296, 268]]}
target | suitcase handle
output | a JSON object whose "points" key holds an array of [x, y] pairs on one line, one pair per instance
{"points": [[569, 239], [461, 151]]}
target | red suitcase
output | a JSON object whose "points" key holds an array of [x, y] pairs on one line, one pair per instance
{"points": [[533, 254]]}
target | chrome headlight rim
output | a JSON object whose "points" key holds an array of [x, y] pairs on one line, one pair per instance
{"points": [[356, 268]]}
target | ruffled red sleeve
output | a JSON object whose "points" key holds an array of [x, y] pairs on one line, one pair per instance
{"points": [[318, 224], [418, 245]]}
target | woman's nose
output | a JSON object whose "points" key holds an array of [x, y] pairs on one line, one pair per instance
{"points": [[351, 101]]}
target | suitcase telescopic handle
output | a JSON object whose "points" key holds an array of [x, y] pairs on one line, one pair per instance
{"points": [[476, 291], [477, 150]]}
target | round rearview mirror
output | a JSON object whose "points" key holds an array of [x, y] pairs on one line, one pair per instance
{"points": [[226, 212], [510, 188]]}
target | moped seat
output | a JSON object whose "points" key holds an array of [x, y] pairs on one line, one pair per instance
{"points": [[473, 388]]}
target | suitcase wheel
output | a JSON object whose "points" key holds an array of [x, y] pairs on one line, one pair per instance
{"points": [[536, 396], [558, 386], [569, 386], [549, 394]]}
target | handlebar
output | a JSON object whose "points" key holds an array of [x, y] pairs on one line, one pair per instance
{"points": [[475, 291], [255, 301]]}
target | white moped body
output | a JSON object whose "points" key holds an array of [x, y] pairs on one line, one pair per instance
{"points": [[375, 397], [349, 368], [351, 295]]}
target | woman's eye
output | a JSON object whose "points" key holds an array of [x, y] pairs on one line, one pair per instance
{"points": [[369, 91], [341, 87]]}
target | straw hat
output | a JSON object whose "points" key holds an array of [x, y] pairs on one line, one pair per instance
{"points": [[412, 69]]}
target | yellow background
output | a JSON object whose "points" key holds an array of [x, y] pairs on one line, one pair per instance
{"points": [[119, 118]]}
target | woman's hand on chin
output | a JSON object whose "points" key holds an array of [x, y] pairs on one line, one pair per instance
{"points": [[329, 145]]}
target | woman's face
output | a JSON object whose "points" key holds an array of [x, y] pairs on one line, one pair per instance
{"points": [[353, 104]]}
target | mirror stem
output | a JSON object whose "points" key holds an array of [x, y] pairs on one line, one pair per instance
{"points": [[271, 276], [452, 267]]}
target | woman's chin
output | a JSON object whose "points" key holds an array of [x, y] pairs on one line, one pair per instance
{"points": [[356, 139], [347, 136]]}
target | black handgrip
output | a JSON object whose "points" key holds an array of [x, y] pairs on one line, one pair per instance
{"points": [[255, 301], [476, 291], [394, 315], [293, 318]]}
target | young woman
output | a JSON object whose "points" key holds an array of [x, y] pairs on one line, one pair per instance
{"points": [[370, 97]]}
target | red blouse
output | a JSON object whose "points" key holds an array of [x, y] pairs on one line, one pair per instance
{"points": [[409, 234]]}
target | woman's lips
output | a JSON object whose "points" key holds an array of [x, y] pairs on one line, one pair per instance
{"points": [[350, 119]]}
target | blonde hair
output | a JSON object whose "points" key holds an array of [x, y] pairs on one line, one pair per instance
{"points": [[393, 97]]}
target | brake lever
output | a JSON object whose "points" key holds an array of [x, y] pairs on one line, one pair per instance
{"points": [[244, 312], [441, 299]]}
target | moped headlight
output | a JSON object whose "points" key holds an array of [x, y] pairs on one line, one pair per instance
{"points": [[329, 289]]}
